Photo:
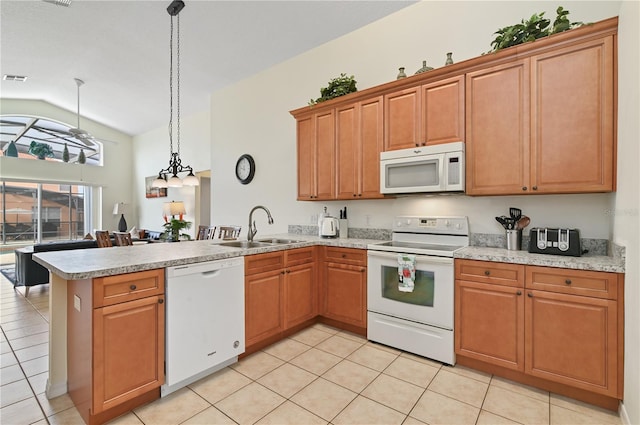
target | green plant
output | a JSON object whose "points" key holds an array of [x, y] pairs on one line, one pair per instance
{"points": [[82, 158], [173, 227], [532, 29], [65, 153], [41, 150], [338, 86]]}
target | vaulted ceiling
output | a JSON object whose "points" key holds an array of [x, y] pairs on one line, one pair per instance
{"points": [[121, 50]]}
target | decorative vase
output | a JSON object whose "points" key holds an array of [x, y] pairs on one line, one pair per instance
{"points": [[82, 158], [401, 74], [12, 150], [122, 224], [424, 68], [65, 153], [449, 60]]}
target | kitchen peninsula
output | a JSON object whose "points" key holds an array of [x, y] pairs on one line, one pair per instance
{"points": [[83, 269]]}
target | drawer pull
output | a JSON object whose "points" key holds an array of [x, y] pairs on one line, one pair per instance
{"points": [[344, 255], [568, 281], [524, 187], [519, 293], [530, 295], [288, 271], [132, 287], [160, 301], [487, 272]]}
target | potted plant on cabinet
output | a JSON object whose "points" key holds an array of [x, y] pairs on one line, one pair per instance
{"points": [[40, 150], [173, 228]]}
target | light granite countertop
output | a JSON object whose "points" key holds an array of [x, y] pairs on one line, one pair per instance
{"points": [[89, 263], [601, 263]]}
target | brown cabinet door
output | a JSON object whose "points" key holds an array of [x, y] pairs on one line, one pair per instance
{"points": [[443, 111], [489, 323], [345, 293], [402, 119], [572, 131], [263, 306], [359, 139], [128, 351], [497, 130], [572, 340], [325, 154], [300, 294], [306, 159], [371, 144], [347, 148]]}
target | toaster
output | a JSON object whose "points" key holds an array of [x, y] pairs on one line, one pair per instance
{"points": [[555, 241]]}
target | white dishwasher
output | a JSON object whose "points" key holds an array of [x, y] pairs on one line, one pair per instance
{"points": [[204, 320]]}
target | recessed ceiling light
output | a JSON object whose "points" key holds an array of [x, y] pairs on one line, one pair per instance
{"points": [[19, 78]]}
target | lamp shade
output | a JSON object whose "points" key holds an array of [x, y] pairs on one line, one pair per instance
{"points": [[118, 208], [174, 181], [173, 208]]}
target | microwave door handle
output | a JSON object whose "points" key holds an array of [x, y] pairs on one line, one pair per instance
{"points": [[442, 159]]}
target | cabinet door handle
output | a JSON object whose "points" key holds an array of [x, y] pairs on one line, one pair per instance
{"points": [[288, 271], [160, 301], [530, 295], [132, 287], [282, 272], [487, 272], [524, 187], [344, 255], [535, 188], [354, 195], [363, 270], [519, 293], [568, 281]]}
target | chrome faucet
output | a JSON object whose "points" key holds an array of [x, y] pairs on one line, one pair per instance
{"points": [[252, 224]]}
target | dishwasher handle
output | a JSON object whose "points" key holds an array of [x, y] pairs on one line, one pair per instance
{"points": [[206, 269]]}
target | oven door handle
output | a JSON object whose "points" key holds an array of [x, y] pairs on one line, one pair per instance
{"points": [[421, 258]]}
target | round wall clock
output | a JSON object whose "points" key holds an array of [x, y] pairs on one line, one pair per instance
{"points": [[245, 169]]}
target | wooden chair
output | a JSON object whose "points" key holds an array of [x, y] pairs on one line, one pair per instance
{"points": [[229, 232], [103, 239], [123, 239], [205, 232]]}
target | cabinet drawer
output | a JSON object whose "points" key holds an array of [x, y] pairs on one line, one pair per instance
{"points": [[120, 288], [577, 282], [490, 272], [260, 263], [293, 257], [346, 255]]}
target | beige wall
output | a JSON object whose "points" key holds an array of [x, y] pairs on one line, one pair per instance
{"points": [[113, 179], [626, 211]]}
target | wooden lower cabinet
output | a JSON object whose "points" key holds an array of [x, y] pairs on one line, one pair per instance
{"points": [[558, 339], [344, 286], [115, 343], [490, 323], [280, 294]]}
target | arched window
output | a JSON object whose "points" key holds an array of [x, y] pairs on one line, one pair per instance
{"points": [[25, 130]]}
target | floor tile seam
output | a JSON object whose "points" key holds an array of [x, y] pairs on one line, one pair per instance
{"points": [[338, 355], [337, 414], [26, 336], [197, 413], [526, 395], [284, 400], [393, 408], [455, 399], [22, 399], [450, 369], [284, 360], [408, 382], [340, 385], [592, 414]]}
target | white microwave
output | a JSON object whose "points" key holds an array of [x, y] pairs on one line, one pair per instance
{"points": [[436, 168]]}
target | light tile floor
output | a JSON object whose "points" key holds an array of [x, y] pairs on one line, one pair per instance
{"points": [[320, 375]]}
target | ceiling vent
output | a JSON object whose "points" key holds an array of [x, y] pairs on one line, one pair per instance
{"points": [[65, 3], [18, 78]]}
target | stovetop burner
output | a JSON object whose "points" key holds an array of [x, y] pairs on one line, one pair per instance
{"points": [[438, 236]]}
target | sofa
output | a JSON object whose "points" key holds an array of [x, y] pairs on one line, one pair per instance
{"points": [[29, 273]]}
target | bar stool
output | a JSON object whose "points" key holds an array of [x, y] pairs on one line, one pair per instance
{"points": [[123, 238], [103, 239]]}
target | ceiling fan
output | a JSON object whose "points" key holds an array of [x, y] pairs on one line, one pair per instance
{"points": [[77, 132]]}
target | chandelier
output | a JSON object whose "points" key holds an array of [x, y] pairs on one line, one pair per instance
{"points": [[168, 177]]}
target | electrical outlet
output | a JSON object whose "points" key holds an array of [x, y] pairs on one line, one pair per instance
{"points": [[314, 218]]}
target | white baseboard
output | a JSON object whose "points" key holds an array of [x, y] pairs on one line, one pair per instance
{"points": [[55, 390], [624, 416]]}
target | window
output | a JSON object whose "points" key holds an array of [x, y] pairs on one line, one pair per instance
{"points": [[23, 130], [33, 212]]}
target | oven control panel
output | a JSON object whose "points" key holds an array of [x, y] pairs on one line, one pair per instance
{"points": [[417, 224]]}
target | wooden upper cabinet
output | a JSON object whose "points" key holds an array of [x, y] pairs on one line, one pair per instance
{"points": [[402, 119], [572, 132], [316, 156], [425, 115], [497, 130], [443, 111], [359, 138]]}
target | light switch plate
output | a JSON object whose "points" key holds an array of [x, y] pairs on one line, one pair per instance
{"points": [[76, 302]]}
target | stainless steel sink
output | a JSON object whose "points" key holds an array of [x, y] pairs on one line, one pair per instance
{"points": [[245, 244], [278, 241]]}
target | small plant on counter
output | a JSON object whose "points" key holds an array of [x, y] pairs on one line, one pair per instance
{"points": [[173, 227], [530, 30], [337, 87]]}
